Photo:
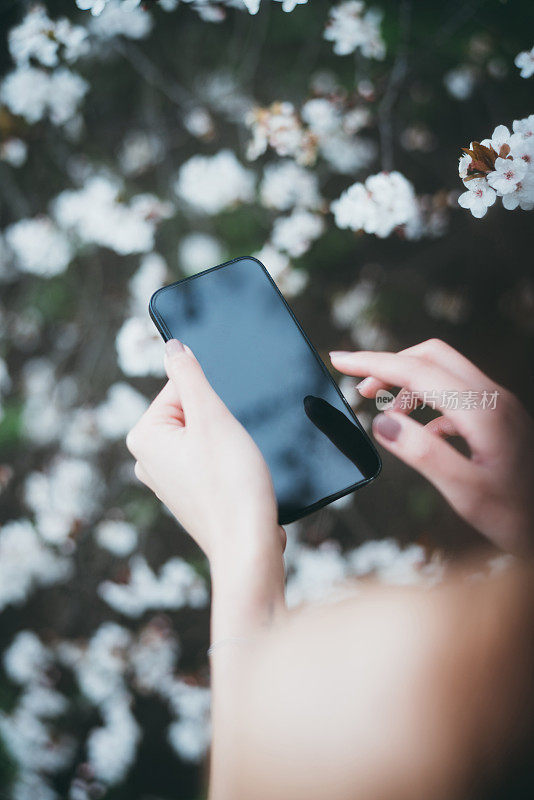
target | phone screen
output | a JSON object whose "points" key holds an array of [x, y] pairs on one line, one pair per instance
{"points": [[260, 362]]}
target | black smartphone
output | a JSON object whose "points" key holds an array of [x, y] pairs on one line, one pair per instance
{"points": [[263, 366]]}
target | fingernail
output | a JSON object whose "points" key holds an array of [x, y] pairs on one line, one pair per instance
{"points": [[340, 354], [387, 427], [174, 347], [363, 384]]}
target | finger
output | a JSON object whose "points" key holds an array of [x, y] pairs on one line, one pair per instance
{"points": [[441, 426], [454, 475], [167, 405], [423, 377], [439, 353], [187, 377]]}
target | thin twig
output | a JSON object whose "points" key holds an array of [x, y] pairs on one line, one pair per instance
{"points": [[153, 75], [396, 78]]}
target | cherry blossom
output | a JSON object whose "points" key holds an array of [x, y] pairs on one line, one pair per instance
{"points": [[478, 199], [507, 174], [525, 62], [351, 27], [212, 183], [502, 166], [384, 202]]}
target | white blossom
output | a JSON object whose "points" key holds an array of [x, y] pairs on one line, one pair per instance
{"points": [[351, 27], [524, 126], [42, 412], [512, 176], [33, 93], [119, 412], [139, 151], [26, 658], [381, 204], [286, 185], [26, 563], [14, 151], [296, 233], [79, 434], [28, 738], [478, 199], [189, 736], [500, 136], [387, 561], [348, 307], [199, 122], [94, 6], [62, 496], [177, 585], [140, 348], [39, 246], [111, 749], [41, 39], [347, 154], [507, 174], [290, 5], [460, 82], [315, 573], [522, 196], [280, 128], [97, 214], [213, 183], [30, 785], [275, 261], [120, 18], [198, 251], [151, 275], [153, 658], [525, 62], [100, 664], [117, 536], [322, 116]]}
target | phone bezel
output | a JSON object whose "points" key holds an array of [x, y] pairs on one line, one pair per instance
{"points": [[166, 335]]}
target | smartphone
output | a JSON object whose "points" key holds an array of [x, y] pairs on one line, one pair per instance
{"points": [[260, 362]]}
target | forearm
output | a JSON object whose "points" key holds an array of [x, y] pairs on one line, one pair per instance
{"points": [[247, 599]]}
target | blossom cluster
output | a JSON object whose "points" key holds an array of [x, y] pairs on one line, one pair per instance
{"points": [[384, 202], [325, 126], [353, 27], [525, 63], [502, 166]]}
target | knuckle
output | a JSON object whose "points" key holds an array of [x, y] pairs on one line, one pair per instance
{"points": [[433, 348], [423, 448], [140, 473], [133, 441]]}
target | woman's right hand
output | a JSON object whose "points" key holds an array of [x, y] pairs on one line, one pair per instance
{"points": [[493, 489]]}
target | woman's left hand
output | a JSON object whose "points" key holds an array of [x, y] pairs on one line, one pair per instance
{"points": [[200, 461]]}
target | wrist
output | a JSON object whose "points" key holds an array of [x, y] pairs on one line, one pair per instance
{"points": [[248, 583]]}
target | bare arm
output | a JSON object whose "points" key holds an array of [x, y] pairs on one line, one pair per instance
{"points": [[398, 693]]}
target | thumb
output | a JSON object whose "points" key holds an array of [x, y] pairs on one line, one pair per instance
{"points": [[187, 376]]}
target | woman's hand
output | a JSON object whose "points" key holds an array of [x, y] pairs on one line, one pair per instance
{"points": [[493, 489], [200, 461]]}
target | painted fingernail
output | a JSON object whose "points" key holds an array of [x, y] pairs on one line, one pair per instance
{"points": [[339, 354], [387, 427], [174, 347]]}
